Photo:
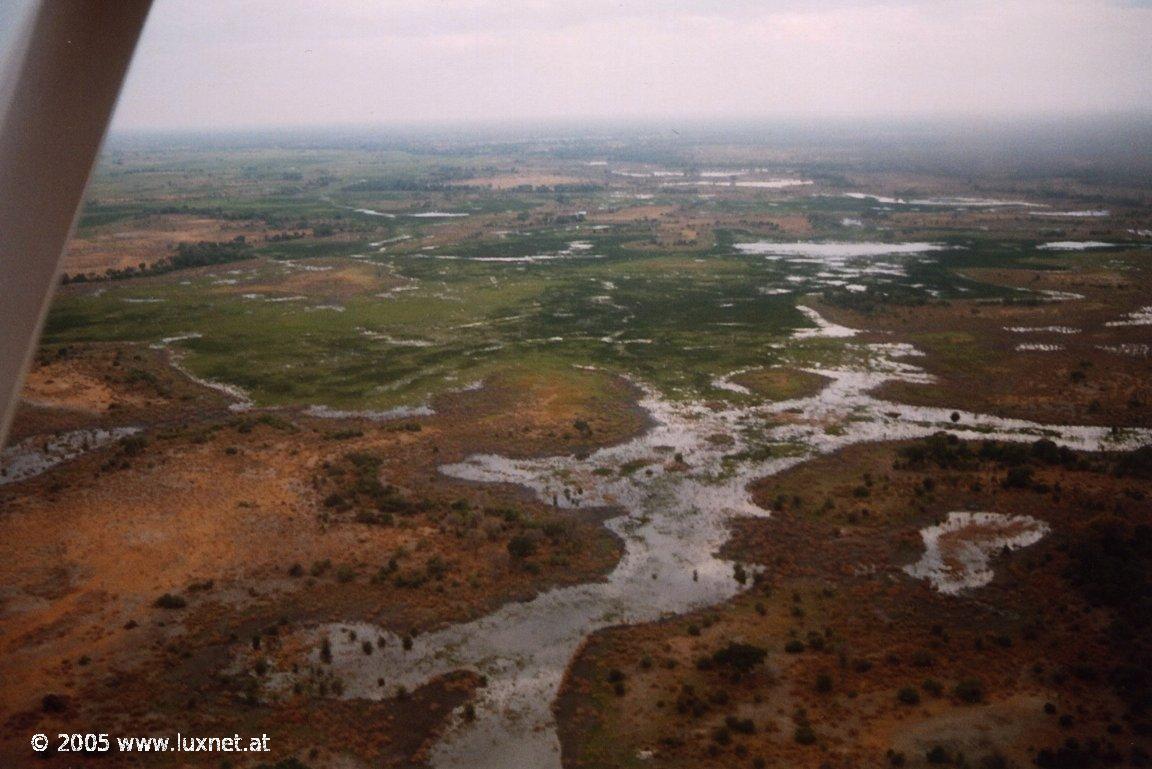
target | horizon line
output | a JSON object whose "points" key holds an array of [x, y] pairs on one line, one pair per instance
{"points": [[696, 121]]}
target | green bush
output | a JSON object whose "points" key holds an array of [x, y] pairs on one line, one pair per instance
{"points": [[521, 547]]}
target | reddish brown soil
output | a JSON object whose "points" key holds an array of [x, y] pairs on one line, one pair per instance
{"points": [[977, 366], [230, 513], [832, 583]]}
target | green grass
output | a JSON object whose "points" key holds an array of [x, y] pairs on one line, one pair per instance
{"points": [[479, 317], [673, 319]]}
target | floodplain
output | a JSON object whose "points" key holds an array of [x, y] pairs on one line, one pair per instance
{"points": [[588, 453]]}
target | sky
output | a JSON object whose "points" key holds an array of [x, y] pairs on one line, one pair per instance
{"points": [[263, 63]]}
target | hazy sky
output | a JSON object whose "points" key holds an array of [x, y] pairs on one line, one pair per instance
{"points": [[229, 63]]}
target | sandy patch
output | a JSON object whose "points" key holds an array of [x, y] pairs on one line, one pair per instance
{"points": [[146, 240], [62, 385]]}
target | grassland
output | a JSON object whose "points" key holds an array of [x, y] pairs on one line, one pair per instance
{"points": [[480, 291]]}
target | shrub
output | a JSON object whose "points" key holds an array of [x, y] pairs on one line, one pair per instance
{"points": [[1018, 478], [326, 651], [741, 657], [1135, 464], [994, 761], [740, 725], [170, 601], [1046, 451], [938, 755], [374, 519], [1110, 564], [133, 445], [969, 690], [436, 567], [1069, 756], [54, 703], [521, 547], [908, 695], [804, 734]]}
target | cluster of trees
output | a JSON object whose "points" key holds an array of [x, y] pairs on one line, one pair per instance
{"points": [[1110, 563], [946, 451], [187, 255], [360, 491], [280, 237], [207, 253]]}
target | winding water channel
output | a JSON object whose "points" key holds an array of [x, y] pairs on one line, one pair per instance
{"points": [[674, 515]]}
